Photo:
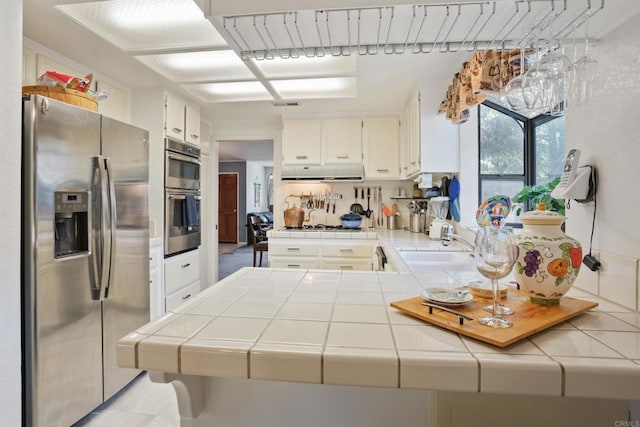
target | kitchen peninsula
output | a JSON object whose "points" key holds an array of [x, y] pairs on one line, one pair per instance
{"points": [[276, 347]]}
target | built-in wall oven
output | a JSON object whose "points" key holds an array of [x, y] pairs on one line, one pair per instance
{"points": [[182, 198], [181, 166]]}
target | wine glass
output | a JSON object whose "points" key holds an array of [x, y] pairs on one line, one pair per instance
{"points": [[584, 71], [495, 254]]}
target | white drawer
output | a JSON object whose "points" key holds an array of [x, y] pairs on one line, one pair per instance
{"points": [[293, 262], [292, 247], [181, 270], [175, 299], [346, 249], [349, 264]]}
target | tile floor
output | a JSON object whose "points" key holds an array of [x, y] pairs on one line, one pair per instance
{"points": [[141, 404]]}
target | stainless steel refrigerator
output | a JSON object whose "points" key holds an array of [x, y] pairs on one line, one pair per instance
{"points": [[85, 256]]}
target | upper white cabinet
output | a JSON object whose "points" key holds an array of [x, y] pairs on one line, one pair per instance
{"points": [[182, 120], [316, 141], [174, 117], [192, 124], [302, 141], [414, 135], [382, 147], [431, 141], [342, 140]]}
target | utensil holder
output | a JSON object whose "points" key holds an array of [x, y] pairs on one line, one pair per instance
{"points": [[414, 223], [391, 222]]}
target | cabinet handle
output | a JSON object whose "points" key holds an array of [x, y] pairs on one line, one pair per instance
{"points": [[346, 250], [185, 265], [342, 157], [293, 265], [186, 297], [194, 136], [346, 267], [301, 157], [382, 170], [177, 130], [293, 249]]}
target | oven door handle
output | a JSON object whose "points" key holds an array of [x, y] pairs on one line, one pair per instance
{"points": [[182, 197], [182, 158]]}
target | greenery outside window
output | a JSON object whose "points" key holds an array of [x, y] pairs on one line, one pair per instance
{"points": [[517, 151]]}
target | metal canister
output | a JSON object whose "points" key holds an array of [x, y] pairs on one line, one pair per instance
{"points": [[414, 222]]}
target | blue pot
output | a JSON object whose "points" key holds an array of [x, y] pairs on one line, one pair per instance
{"points": [[351, 220]]}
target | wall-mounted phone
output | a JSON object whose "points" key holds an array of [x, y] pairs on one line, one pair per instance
{"points": [[574, 182]]}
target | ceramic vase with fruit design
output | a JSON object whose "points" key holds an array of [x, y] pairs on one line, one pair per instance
{"points": [[549, 260]]}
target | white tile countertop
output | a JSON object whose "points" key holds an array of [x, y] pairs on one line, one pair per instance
{"points": [[331, 327]]}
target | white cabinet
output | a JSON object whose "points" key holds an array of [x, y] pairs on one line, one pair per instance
{"points": [[382, 147], [192, 124], [302, 141], [329, 254], [292, 247], [346, 255], [293, 253], [345, 248], [174, 117], [156, 290], [174, 300], [182, 278], [316, 141], [342, 140], [431, 140], [413, 121], [347, 264], [182, 120]]}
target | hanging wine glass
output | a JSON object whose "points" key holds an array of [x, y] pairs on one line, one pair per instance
{"points": [[513, 90], [535, 86], [495, 254], [585, 69], [555, 64]]}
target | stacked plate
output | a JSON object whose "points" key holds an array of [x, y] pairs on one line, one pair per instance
{"points": [[447, 296]]}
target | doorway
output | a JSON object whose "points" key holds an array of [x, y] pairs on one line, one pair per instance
{"points": [[228, 207]]}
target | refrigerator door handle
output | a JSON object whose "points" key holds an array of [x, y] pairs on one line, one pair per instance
{"points": [[110, 233], [97, 241]]}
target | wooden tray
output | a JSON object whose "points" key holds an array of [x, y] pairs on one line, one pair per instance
{"points": [[528, 319], [70, 96]]}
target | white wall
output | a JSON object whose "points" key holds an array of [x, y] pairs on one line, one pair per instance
{"points": [[256, 170], [606, 130], [10, 143]]}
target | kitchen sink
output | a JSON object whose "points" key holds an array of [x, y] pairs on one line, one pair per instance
{"points": [[434, 260]]}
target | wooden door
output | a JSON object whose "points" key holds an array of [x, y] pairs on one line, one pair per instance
{"points": [[228, 207]]}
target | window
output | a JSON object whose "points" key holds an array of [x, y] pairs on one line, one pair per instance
{"points": [[515, 150]]}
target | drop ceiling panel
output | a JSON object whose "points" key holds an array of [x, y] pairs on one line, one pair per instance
{"points": [[338, 87], [229, 92], [209, 66], [279, 68], [146, 24]]}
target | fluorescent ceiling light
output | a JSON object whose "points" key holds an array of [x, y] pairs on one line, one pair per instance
{"points": [[145, 24], [199, 66], [302, 66], [230, 92], [337, 87]]}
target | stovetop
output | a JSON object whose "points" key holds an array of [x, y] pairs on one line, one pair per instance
{"points": [[322, 227]]}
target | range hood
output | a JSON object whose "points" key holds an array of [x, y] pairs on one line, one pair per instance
{"points": [[341, 172]]}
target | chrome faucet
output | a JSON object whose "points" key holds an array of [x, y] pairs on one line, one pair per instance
{"points": [[447, 235]]}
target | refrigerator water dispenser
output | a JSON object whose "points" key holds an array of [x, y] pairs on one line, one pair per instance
{"points": [[71, 226]]}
